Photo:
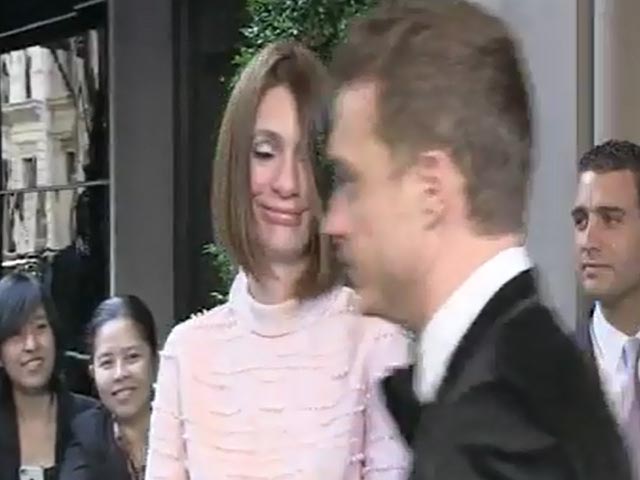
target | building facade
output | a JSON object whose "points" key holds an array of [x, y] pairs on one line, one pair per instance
{"points": [[46, 115]]}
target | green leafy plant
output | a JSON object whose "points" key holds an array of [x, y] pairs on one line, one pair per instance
{"points": [[225, 272], [318, 24]]}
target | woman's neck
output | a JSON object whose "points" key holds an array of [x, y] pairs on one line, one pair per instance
{"points": [[33, 405], [279, 286], [135, 433]]}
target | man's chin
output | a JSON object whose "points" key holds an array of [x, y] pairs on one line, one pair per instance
{"points": [[371, 304], [604, 294], [598, 290]]}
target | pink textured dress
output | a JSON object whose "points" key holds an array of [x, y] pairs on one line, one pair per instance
{"points": [[290, 391]]}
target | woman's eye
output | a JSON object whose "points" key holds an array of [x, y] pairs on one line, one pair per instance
{"points": [[133, 356], [263, 151], [105, 364]]}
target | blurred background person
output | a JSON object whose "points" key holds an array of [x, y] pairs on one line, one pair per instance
{"points": [[36, 409], [110, 441], [282, 380]]}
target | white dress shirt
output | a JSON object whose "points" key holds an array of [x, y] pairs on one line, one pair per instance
{"points": [[608, 343], [443, 333]]}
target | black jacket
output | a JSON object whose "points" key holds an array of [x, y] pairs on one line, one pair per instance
{"points": [[582, 337], [94, 453], [69, 406], [518, 402]]}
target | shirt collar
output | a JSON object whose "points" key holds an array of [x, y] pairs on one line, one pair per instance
{"points": [[608, 341], [443, 333]]}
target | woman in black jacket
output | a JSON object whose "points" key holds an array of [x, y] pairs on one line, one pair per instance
{"points": [[110, 441], [36, 410]]}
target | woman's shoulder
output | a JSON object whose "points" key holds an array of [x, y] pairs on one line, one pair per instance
{"points": [[199, 326], [93, 453], [92, 423], [347, 312], [93, 432], [377, 339], [82, 403]]}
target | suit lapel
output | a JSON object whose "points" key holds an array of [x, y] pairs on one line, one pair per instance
{"points": [[402, 402], [582, 337]]}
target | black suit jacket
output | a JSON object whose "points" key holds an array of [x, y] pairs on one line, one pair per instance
{"points": [[518, 402], [582, 337], [69, 405], [94, 453]]}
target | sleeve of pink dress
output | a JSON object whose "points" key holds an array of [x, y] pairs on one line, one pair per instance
{"points": [[387, 457], [167, 459]]}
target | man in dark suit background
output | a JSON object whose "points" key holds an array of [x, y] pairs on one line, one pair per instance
{"points": [[431, 140], [607, 231]]}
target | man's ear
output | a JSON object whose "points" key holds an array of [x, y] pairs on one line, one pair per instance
{"points": [[92, 372], [430, 177]]}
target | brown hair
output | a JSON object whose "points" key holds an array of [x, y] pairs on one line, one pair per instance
{"points": [[448, 76], [288, 64], [613, 156]]}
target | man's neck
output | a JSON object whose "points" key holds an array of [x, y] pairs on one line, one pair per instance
{"points": [[452, 268], [33, 405], [624, 313], [279, 285]]}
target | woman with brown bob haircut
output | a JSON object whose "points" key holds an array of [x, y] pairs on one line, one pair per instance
{"points": [[281, 381]]}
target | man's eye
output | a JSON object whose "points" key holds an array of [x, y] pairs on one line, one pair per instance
{"points": [[343, 177], [611, 220]]}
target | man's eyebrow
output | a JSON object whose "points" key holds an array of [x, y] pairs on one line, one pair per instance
{"points": [[608, 209], [611, 210]]}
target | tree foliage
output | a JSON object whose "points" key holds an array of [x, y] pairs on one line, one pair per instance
{"points": [[318, 24]]}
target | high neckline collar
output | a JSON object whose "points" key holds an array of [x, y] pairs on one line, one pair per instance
{"points": [[276, 320]]}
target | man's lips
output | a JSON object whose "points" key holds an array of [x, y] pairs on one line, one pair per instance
{"points": [[594, 265], [594, 268]]}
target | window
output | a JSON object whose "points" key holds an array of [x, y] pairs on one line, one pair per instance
{"points": [[55, 188], [29, 172], [41, 221], [6, 171], [27, 75], [4, 80], [71, 166]]}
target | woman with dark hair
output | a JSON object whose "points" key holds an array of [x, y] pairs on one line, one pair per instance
{"points": [[36, 409], [111, 440]]}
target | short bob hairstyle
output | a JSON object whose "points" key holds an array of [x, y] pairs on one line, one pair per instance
{"points": [[288, 64], [20, 296]]}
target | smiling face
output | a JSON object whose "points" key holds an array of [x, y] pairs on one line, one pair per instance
{"points": [[123, 368], [29, 356], [280, 178]]}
